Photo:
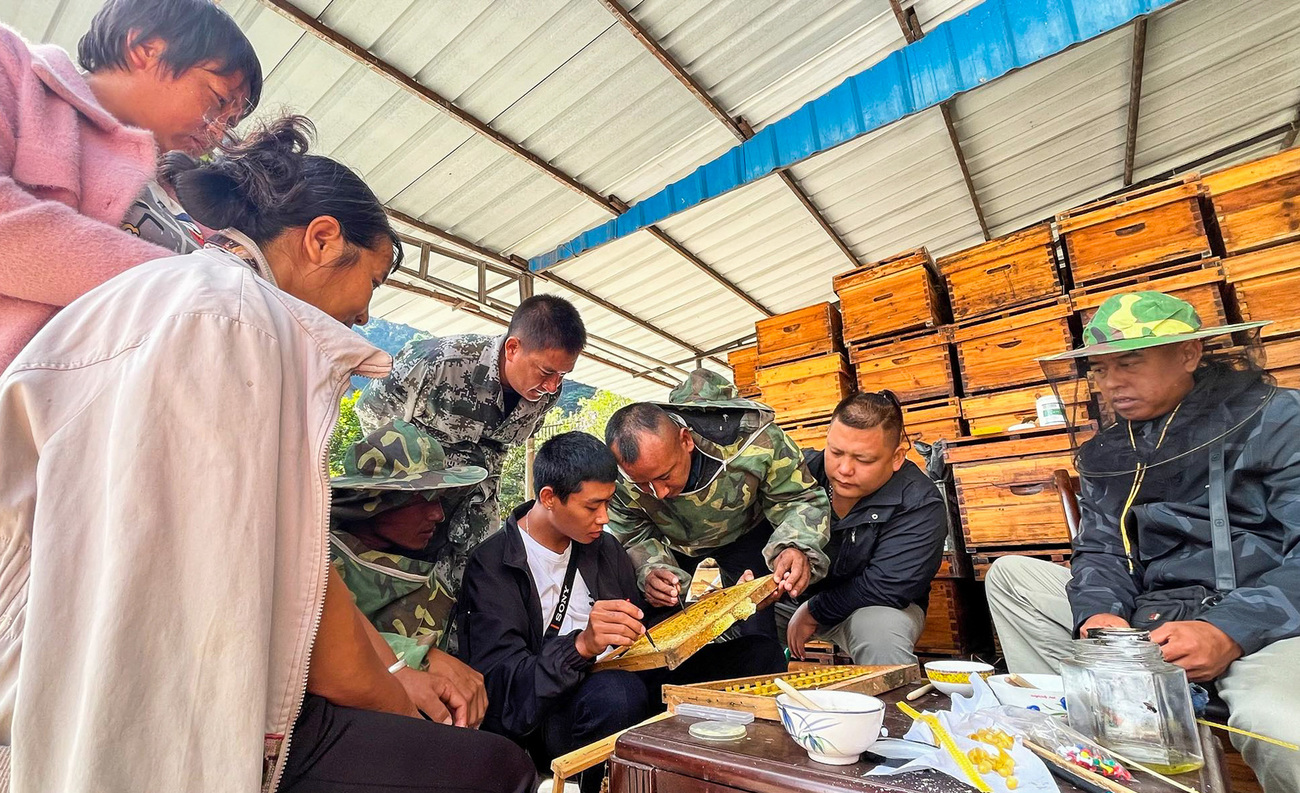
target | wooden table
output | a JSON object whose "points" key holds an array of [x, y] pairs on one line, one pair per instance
{"points": [[664, 758]]}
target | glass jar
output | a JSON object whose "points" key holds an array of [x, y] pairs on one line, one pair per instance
{"points": [[1121, 693]]}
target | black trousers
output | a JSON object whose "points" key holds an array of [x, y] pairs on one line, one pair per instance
{"points": [[746, 553], [616, 699], [345, 750]]}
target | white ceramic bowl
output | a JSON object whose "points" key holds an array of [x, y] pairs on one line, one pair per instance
{"points": [[953, 677], [847, 725], [1048, 696]]}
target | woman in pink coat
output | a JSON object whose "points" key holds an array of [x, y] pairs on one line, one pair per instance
{"points": [[79, 151]]}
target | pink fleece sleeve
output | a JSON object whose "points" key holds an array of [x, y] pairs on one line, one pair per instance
{"points": [[53, 255], [49, 252]]}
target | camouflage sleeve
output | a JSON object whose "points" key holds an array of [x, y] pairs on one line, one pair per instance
{"points": [[407, 648], [1269, 610], [385, 399], [640, 538], [1101, 581], [795, 505]]}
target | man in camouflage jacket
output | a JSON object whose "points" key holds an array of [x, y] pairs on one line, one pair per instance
{"points": [[734, 488], [479, 396], [1145, 532], [386, 536]]}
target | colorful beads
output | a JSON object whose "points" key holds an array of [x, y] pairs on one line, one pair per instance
{"points": [[1084, 757]]}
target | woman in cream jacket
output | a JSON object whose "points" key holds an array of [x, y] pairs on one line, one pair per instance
{"points": [[164, 505]]}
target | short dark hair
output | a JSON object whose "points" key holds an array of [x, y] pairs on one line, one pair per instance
{"points": [[625, 427], [571, 458], [867, 409], [548, 322], [194, 32], [267, 182]]}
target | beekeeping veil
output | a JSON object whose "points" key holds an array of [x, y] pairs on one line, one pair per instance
{"points": [[1228, 393]]}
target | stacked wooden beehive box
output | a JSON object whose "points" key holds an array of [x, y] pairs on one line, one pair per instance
{"points": [[958, 338], [894, 318], [744, 371], [1009, 310], [802, 370], [1257, 209]]}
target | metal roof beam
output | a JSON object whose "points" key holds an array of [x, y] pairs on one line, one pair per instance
{"points": [[1134, 97], [404, 81], [519, 266], [469, 307], [1289, 140], [736, 126], [990, 40], [482, 300], [677, 248], [946, 109], [912, 33]]}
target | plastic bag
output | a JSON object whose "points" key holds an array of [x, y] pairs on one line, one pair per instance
{"points": [[967, 717]]}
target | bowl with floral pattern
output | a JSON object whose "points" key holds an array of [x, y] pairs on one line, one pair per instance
{"points": [[844, 725]]}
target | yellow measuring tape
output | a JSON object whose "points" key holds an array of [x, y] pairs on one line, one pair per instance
{"points": [[1249, 734], [944, 739]]}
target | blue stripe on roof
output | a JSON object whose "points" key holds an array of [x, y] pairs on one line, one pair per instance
{"points": [[963, 53]]}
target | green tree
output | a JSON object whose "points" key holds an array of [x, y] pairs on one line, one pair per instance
{"points": [[346, 433], [591, 415]]}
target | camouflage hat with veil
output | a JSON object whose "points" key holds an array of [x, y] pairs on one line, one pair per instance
{"points": [[391, 467], [1224, 398]]}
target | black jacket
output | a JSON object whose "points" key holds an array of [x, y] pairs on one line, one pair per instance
{"points": [[501, 632], [1169, 523], [885, 551]]}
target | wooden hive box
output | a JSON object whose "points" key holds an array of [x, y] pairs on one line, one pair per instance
{"points": [[1258, 203], [888, 297], [1135, 231], [744, 370], [807, 388], [1008, 271], [1266, 284], [795, 335], [1003, 352], [914, 369], [996, 412], [1202, 286], [1008, 498], [956, 619], [929, 422], [983, 561], [1282, 360], [808, 433]]}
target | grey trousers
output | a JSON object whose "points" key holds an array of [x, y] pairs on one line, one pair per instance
{"points": [[1032, 615], [875, 635]]}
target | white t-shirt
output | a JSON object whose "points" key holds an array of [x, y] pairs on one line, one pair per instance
{"points": [[548, 569]]}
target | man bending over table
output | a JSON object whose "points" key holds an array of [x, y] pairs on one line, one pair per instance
{"points": [[708, 474], [550, 593]]}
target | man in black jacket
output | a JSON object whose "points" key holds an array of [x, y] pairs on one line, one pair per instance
{"points": [[888, 525], [550, 593], [1199, 448]]}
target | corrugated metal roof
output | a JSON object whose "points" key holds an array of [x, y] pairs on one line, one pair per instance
{"points": [[1217, 73], [897, 188], [564, 79]]}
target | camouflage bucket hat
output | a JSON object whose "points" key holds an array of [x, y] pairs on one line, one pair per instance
{"points": [[704, 388], [1137, 320], [401, 457]]}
